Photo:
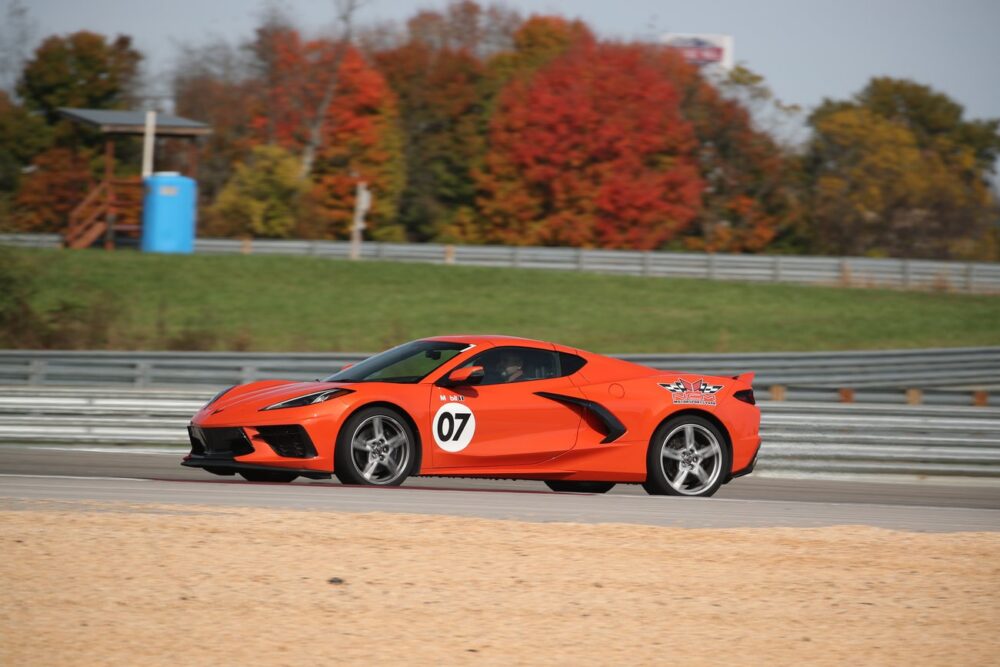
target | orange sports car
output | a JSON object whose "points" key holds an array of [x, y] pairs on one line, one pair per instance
{"points": [[487, 406]]}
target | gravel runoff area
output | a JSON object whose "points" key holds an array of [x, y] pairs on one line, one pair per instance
{"points": [[88, 583]]}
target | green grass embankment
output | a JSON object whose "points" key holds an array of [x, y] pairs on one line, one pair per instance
{"points": [[135, 301]]}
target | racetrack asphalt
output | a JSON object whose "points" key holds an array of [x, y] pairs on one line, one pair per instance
{"points": [[148, 476]]}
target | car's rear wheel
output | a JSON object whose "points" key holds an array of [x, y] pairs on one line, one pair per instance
{"points": [[688, 456], [375, 447], [268, 476], [571, 486]]}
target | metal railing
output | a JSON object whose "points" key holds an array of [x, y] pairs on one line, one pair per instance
{"points": [[959, 376], [845, 271], [971, 277], [799, 438]]}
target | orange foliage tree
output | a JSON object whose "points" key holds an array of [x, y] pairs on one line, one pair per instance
{"points": [[59, 180], [591, 150], [360, 140]]}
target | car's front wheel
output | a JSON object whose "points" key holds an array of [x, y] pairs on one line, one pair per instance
{"points": [[572, 486], [688, 456], [375, 447]]}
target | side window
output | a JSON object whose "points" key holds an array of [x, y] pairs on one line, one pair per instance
{"points": [[502, 365], [570, 363]]}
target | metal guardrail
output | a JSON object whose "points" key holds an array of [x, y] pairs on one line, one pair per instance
{"points": [[959, 376], [31, 240], [972, 277], [802, 438]]}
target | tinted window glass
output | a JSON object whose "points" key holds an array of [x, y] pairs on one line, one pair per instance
{"points": [[503, 365], [570, 363], [408, 363]]}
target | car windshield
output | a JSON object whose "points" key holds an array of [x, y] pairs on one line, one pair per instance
{"points": [[407, 363]]}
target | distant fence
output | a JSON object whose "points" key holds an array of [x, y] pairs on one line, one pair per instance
{"points": [[958, 376], [802, 438], [971, 277]]}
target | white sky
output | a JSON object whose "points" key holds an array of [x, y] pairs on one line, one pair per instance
{"points": [[806, 49]]}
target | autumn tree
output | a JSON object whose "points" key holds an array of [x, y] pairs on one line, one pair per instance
{"points": [[465, 26], [591, 150], [898, 171], [60, 178], [750, 202], [362, 142], [360, 136], [83, 69], [262, 198], [23, 136], [537, 41]]}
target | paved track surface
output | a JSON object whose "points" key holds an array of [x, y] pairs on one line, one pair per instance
{"points": [[156, 477]]}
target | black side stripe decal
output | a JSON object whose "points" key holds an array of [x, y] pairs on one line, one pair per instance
{"points": [[614, 429]]}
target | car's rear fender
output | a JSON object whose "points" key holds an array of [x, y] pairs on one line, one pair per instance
{"points": [[715, 421]]}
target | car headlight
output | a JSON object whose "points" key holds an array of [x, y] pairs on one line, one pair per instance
{"points": [[308, 399], [217, 396]]}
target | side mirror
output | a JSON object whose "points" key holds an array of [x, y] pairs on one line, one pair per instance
{"points": [[467, 375]]}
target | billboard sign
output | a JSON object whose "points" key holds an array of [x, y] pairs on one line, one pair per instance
{"points": [[702, 49]]}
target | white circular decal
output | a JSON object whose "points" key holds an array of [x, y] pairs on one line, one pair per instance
{"points": [[454, 425]]}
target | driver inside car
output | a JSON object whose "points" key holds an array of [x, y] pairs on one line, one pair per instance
{"points": [[511, 367]]}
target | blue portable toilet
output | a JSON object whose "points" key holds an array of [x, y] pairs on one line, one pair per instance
{"points": [[169, 211]]}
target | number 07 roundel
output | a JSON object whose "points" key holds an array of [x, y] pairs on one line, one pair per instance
{"points": [[454, 425]]}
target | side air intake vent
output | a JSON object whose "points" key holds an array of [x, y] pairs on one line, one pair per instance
{"points": [[290, 441]]}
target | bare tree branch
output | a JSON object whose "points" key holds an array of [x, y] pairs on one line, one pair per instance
{"points": [[346, 9]]}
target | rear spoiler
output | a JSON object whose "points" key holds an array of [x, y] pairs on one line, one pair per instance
{"points": [[745, 377]]}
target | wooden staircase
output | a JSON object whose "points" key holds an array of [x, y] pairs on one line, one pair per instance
{"points": [[113, 209]]}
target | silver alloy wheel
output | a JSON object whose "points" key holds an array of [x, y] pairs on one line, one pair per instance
{"points": [[380, 450], [691, 459]]}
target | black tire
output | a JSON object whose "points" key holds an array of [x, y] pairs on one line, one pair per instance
{"points": [[683, 457], [268, 476], [571, 486], [394, 463]]}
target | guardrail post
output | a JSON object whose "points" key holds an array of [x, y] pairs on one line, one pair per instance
{"points": [[970, 282], [846, 395], [142, 374], [246, 247], [777, 268], [579, 259], [247, 373], [380, 250], [845, 272], [980, 398], [777, 392], [449, 254], [914, 396], [515, 257], [711, 266], [907, 274], [36, 371], [647, 262]]}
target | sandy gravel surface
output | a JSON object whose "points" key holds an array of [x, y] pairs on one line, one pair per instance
{"points": [[114, 584]]}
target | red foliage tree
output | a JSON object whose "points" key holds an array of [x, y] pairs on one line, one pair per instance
{"points": [[590, 151]]}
